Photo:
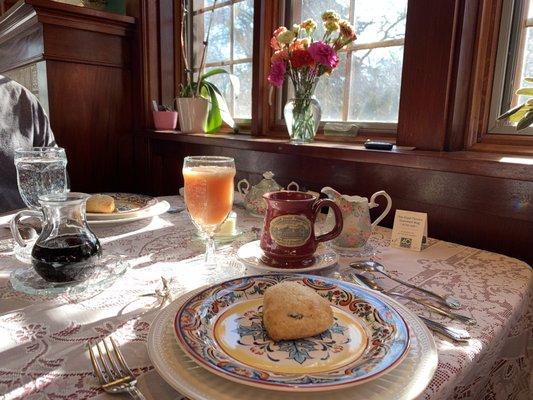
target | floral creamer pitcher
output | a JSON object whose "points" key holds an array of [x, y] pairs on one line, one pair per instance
{"points": [[356, 216]]}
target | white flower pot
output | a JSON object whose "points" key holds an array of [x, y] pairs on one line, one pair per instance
{"points": [[192, 114]]}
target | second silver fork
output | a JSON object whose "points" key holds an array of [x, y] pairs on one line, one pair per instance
{"points": [[111, 369]]}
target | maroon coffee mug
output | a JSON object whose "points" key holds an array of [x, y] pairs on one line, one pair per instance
{"points": [[288, 239]]}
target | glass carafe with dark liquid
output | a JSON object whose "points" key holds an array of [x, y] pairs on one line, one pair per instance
{"points": [[66, 250]]}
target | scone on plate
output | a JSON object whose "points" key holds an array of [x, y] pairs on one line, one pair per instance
{"points": [[100, 203], [293, 311]]}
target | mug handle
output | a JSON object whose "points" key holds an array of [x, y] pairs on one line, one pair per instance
{"points": [[295, 185], [373, 204], [244, 191], [14, 224], [337, 229]]}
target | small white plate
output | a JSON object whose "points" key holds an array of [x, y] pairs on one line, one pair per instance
{"points": [[160, 208], [127, 205], [250, 254]]}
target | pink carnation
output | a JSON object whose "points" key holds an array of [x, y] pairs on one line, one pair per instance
{"points": [[277, 73], [324, 54]]}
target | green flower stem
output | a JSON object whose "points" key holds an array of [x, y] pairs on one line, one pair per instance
{"points": [[304, 83]]}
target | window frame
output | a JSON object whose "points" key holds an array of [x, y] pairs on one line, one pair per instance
{"points": [[366, 126], [244, 123], [479, 135], [455, 63], [501, 84]]}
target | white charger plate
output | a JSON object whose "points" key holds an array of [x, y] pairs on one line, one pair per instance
{"points": [[405, 382]]}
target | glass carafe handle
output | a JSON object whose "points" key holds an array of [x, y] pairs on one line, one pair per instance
{"points": [[15, 222]]}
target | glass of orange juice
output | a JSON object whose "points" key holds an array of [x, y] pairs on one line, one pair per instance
{"points": [[208, 183]]}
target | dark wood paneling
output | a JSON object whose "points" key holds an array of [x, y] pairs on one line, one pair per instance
{"points": [[89, 62], [485, 212], [91, 117], [80, 46]]}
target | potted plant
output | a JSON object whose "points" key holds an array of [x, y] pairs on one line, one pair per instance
{"points": [[165, 118], [304, 60], [522, 114], [201, 105]]}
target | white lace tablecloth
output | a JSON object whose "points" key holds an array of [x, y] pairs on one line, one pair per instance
{"points": [[42, 345]]}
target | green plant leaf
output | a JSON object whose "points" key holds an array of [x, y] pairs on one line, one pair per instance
{"points": [[529, 79], [525, 92], [223, 107], [234, 79], [214, 71], [510, 112], [525, 122], [214, 119], [518, 115]]}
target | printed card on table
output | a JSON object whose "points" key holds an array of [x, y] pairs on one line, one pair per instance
{"points": [[410, 230]]}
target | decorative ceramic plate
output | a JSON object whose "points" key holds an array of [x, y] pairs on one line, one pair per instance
{"points": [[251, 253], [126, 205], [159, 208], [221, 329], [405, 382]]}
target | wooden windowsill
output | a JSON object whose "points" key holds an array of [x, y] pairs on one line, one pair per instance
{"points": [[467, 162]]}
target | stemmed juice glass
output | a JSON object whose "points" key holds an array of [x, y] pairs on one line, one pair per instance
{"points": [[208, 183]]}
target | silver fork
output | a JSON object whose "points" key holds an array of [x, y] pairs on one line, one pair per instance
{"points": [[111, 369]]}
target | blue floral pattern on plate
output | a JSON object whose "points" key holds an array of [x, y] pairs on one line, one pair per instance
{"points": [[198, 319]]}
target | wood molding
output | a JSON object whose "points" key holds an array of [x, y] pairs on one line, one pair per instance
{"points": [[461, 79], [433, 82], [463, 162], [30, 24], [484, 63]]}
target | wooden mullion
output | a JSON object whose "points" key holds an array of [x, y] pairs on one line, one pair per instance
{"points": [[436, 73], [265, 12], [483, 70]]}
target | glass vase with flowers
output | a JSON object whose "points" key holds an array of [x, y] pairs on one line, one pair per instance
{"points": [[301, 58]]}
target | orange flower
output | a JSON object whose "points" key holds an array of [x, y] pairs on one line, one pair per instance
{"points": [[279, 55], [299, 44], [274, 43], [279, 30], [301, 58]]}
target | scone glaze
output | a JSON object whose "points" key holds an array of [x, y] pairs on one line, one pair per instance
{"points": [[292, 311]]}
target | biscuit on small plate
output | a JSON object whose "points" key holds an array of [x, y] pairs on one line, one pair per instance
{"points": [[100, 203]]}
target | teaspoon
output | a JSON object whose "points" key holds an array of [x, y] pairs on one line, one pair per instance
{"points": [[456, 334], [373, 266], [374, 285]]}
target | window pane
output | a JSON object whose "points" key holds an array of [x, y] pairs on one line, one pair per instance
{"points": [[219, 41], [223, 84], [379, 20], [232, 21], [370, 92], [329, 92], [243, 29], [375, 89], [314, 9], [243, 102], [527, 64], [198, 4]]}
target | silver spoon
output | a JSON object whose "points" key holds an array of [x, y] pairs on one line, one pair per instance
{"points": [[373, 266], [374, 285], [456, 334]]}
